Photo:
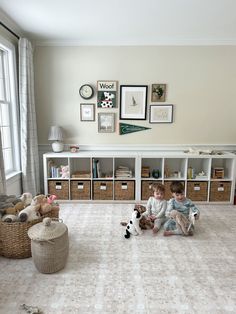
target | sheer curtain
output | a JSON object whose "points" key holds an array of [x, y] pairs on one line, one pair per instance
{"points": [[29, 138], [2, 172]]}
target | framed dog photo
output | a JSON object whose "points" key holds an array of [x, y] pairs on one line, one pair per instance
{"points": [[158, 93], [87, 112], [106, 122], [161, 114], [106, 94], [133, 102]]}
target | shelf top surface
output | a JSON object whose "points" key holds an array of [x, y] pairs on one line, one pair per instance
{"points": [[133, 154]]}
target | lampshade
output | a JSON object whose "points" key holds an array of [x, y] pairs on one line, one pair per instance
{"points": [[55, 133]]}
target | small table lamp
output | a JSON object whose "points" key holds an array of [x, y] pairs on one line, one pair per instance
{"points": [[55, 134]]}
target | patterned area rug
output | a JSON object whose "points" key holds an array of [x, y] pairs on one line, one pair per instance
{"points": [[106, 273]]}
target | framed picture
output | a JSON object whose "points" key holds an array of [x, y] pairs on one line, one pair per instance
{"points": [[158, 93], [106, 94], [161, 114], [106, 122], [133, 102], [87, 112]]}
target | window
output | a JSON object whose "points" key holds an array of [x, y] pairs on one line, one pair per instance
{"points": [[8, 108]]}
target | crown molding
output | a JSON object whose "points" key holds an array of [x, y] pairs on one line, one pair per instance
{"points": [[11, 24], [160, 42]]}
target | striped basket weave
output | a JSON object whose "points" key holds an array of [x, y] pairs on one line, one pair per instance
{"points": [[14, 240]]}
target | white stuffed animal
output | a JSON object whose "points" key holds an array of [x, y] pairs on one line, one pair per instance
{"points": [[133, 225], [29, 213]]}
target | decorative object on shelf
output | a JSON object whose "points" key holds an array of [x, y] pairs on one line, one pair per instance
{"points": [[133, 102], [74, 148], [130, 128], [158, 93], [145, 172], [106, 94], [86, 91], [161, 114], [155, 173], [106, 122], [56, 135], [87, 112], [218, 173]]}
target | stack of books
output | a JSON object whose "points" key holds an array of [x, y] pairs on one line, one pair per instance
{"points": [[123, 172], [145, 172]]}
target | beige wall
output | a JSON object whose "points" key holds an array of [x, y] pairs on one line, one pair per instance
{"points": [[201, 83]]}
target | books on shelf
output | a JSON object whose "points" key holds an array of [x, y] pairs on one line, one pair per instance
{"points": [[123, 172]]}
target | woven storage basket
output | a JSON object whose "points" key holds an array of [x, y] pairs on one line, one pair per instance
{"points": [[60, 188], [102, 190], [197, 190], [14, 240], [49, 245], [80, 190], [124, 190], [220, 191], [147, 189]]}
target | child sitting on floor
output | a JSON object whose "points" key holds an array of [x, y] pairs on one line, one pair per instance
{"points": [[156, 207], [184, 208]]}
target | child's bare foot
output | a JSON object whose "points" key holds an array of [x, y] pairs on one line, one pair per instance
{"points": [[155, 230], [168, 233]]}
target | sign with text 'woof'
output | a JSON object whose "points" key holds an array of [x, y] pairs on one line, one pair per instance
{"points": [[106, 94]]}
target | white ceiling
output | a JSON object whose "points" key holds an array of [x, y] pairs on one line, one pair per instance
{"points": [[124, 22]]}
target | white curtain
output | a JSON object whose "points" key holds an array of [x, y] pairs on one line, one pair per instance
{"points": [[2, 172], [29, 138]]}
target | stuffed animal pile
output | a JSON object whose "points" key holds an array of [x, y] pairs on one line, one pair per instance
{"points": [[25, 207]]}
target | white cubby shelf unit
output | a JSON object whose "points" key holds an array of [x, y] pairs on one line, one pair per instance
{"points": [[128, 175]]}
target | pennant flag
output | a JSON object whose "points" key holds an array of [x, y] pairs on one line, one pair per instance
{"points": [[129, 128]]}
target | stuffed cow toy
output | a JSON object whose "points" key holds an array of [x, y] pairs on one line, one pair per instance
{"points": [[133, 225]]}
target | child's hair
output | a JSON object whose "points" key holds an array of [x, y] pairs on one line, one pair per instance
{"points": [[177, 187], [158, 187]]}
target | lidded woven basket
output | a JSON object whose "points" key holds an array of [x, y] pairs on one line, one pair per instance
{"points": [[49, 245]]}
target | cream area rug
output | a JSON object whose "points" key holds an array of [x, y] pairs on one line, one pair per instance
{"points": [[106, 273]]}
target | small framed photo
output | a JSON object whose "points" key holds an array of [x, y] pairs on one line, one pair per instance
{"points": [[106, 122], [106, 94], [133, 102], [87, 112], [158, 93], [161, 114]]}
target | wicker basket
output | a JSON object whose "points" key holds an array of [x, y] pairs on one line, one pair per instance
{"points": [[124, 190], [14, 240], [197, 190], [60, 188], [146, 189], [220, 191], [102, 190], [80, 190], [49, 245]]}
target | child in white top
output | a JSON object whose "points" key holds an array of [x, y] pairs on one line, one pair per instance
{"points": [[156, 207]]}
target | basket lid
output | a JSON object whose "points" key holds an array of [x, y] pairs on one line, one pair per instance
{"points": [[47, 230]]}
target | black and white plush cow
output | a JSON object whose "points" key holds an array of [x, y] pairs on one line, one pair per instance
{"points": [[133, 225]]}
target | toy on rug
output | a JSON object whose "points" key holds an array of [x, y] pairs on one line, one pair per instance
{"points": [[31, 309], [192, 218], [144, 223], [133, 225]]}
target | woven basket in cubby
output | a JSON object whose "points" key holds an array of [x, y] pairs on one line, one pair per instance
{"points": [[14, 240]]}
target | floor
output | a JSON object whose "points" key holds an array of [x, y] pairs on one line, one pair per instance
{"points": [[106, 273]]}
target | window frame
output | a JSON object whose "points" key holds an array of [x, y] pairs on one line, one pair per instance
{"points": [[9, 48]]}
